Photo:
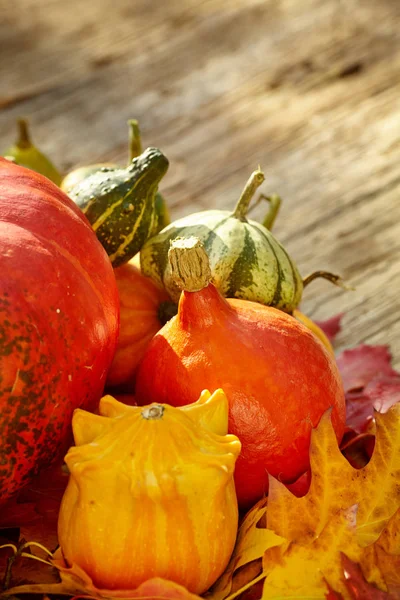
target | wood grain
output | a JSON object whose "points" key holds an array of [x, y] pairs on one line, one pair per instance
{"points": [[309, 90]]}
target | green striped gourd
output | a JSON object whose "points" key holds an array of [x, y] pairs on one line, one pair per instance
{"points": [[119, 203], [161, 218], [246, 260]]}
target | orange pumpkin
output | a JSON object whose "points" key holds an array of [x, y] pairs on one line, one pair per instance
{"points": [[145, 308], [317, 331], [58, 322], [278, 377]]}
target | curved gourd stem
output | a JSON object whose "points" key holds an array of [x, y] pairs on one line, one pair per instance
{"points": [[274, 206], [24, 138], [190, 267], [135, 140], [275, 202], [242, 206], [335, 279]]}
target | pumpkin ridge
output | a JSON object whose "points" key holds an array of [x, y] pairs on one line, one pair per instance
{"points": [[212, 235], [71, 259], [77, 265], [44, 198], [32, 181], [241, 273], [148, 287], [141, 305], [294, 277], [277, 293]]}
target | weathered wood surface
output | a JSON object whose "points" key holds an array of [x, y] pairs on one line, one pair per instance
{"points": [[309, 89]]}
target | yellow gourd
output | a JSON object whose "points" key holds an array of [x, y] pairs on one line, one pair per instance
{"points": [[151, 494], [317, 331], [24, 153]]}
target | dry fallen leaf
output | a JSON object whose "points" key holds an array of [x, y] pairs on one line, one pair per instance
{"points": [[356, 584], [358, 366], [335, 485], [346, 511], [32, 516], [74, 582], [254, 539], [332, 326]]}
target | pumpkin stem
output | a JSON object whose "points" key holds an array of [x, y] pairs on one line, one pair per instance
{"points": [[335, 279], [190, 267], [24, 138], [135, 141], [242, 206], [166, 311], [154, 411]]}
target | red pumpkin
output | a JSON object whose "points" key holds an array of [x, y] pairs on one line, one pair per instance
{"points": [[59, 315], [278, 377], [144, 310]]}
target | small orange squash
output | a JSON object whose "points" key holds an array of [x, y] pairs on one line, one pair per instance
{"points": [[144, 309], [151, 494]]}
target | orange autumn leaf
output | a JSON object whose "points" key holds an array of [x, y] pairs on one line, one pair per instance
{"points": [[76, 583], [336, 485], [390, 537], [346, 511], [254, 539], [32, 516], [303, 570]]}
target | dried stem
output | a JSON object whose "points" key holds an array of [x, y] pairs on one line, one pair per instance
{"points": [[335, 279], [242, 206], [190, 267], [24, 139], [135, 140], [153, 412], [274, 206]]}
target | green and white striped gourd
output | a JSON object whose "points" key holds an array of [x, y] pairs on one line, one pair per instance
{"points": [[246, 260], [120, 203]]}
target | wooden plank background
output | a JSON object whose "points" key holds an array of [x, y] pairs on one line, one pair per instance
{"points": [[308, 89]]}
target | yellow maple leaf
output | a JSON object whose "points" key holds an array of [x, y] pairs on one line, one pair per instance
{"points": [[336, 485], [350, 511], [254, 539], [389, 539], [383, 557], [303, 570]]}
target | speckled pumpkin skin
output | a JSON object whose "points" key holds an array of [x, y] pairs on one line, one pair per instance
{"points": [[59, 318]]}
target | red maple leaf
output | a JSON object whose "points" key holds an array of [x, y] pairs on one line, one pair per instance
{"points": [[331, 327]]}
